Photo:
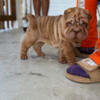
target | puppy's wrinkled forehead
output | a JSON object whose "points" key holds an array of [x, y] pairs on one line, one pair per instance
{"points": [[77, 14]]}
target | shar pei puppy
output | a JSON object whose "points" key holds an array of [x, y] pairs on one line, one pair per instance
{"points": [[64, 32]]}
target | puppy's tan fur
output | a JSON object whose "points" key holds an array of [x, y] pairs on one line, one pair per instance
{"points": [[63, 32]]}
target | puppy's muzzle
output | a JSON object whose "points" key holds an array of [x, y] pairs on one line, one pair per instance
{"points": [[76, 30]]}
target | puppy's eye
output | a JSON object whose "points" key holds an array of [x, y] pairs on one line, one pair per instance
{"points": [[68, 23], [84, 24]]}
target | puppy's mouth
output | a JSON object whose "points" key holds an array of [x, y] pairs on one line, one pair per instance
{"points": [[76, 41], [77, 37]]}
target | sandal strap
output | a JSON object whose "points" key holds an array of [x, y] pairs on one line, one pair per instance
{"points": [[88, 64]]}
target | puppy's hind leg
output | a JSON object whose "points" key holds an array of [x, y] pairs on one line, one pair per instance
{"points": [[30, 37], [26, 44], [38, 48]]}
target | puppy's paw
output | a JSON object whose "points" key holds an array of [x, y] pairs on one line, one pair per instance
{"points": [[63, 60], [24, 57], [41, 54], [71, 64]]}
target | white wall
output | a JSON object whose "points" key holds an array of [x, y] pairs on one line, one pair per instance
{"points": [[98, 14], [58, 6]]}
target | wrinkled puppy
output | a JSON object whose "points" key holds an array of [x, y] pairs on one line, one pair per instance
{"points": [[64, 32]]}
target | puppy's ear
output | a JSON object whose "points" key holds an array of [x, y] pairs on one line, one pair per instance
{"points": [[88, 14], [67, 12]]}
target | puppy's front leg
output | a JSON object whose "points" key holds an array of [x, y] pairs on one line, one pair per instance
{"points": [[69, 54], [62, 58], [70, 57]]}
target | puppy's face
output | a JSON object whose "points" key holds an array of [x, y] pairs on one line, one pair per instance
{"points": [[76, 23]]}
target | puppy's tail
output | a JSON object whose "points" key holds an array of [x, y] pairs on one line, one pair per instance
{"points": [[32, 21]]}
